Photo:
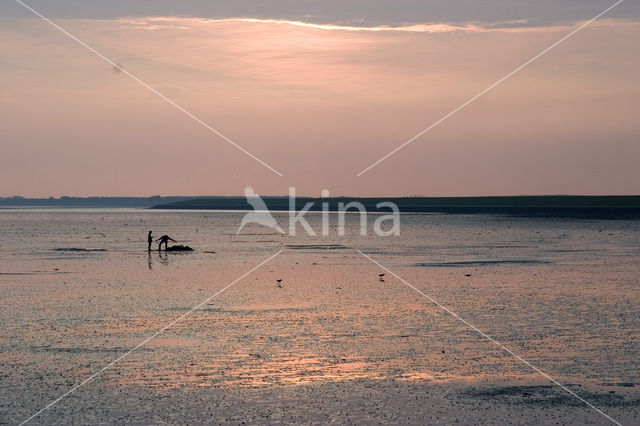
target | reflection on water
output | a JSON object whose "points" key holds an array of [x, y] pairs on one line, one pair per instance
{"points": [[163, 257], [254, 370], [158, 256], [76, 293]]}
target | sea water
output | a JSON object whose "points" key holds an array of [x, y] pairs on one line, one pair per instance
{"points": [[79, 289]]}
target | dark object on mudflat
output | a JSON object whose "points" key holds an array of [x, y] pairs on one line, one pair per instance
{"points": [[179, 247]]}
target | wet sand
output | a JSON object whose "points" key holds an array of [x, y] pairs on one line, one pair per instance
{"points": [[359, 401], [331, 343]]}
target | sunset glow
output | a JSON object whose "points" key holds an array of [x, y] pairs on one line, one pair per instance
{"points": [[298, 93]]}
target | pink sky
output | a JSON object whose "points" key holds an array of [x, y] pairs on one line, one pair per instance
{"points": [[319, 104]]}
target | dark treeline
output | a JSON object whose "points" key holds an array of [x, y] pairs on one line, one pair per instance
{"points": [[597, 207]]}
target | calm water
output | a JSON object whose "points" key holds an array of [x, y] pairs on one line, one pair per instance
{"points": [[78, 289]]}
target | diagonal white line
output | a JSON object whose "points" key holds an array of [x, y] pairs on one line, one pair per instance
{"points": [[73, 389], [490, 87], [474, 328], [145, 85]]}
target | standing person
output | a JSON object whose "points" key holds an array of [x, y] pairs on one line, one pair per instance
{"points": [[164, 239], [149, 240]]}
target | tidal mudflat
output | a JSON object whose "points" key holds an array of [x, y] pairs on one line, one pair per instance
{"points": [[330, 342]]}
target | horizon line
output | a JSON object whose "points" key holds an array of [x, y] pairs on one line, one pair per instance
{"points": [[2, 197]]}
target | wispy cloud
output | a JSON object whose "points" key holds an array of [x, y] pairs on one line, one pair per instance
{"points": [[512, 26]]}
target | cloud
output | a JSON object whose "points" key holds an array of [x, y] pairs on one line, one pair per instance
{"points": [[366, 13], [514, 26], [319, 104]]}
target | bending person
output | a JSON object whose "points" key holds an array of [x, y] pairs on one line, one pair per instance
{"points": [[164, 239]]}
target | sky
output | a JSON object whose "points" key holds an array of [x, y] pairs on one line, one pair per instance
{"points": [[319, 91]]}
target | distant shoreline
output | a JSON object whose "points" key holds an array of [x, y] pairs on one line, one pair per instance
{"points": [[595, 207], [569, 206], [133, 202]]}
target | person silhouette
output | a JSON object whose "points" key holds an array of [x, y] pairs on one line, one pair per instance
{"points": [[149, 240], [164, 239]]}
